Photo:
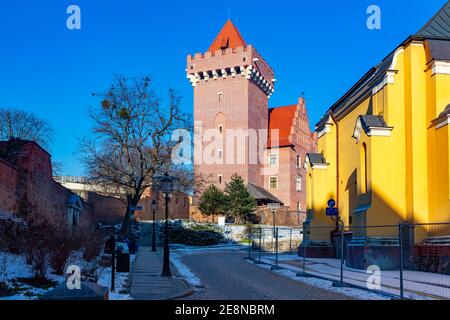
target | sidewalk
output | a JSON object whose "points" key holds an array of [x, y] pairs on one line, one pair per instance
{"points": [[146, 282], [418, 285]]}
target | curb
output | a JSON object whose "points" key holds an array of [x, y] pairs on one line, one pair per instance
{"points": [[184, 294]]}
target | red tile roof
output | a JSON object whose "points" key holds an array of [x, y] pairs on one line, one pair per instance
{"points": [[228, 37], [281, 118]]}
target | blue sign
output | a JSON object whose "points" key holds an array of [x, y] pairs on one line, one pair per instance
{"points": [[137, 208], [331, 211]]}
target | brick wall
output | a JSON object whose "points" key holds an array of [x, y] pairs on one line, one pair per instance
{"points": [[283, 217], [8, 185], [27, 187]]}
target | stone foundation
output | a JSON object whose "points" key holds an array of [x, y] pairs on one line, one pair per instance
{"points": [[316, 249], [364, 252], [430, 258]]}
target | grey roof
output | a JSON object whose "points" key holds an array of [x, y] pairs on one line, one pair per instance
{"points": [[445, 112], [262, 194], [439, 26], [316, 158], [360, 91], [438, 50], [372, 121]]}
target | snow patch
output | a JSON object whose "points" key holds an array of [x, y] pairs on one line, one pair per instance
{"points": [[184, 271]]}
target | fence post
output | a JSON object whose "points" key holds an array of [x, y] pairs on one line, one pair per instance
{"points": [[400, 243], [341, 281], [276, 250], [250, 243], [113, 270], [290, 241], [342, 254], [259, 247], [304, 244]]}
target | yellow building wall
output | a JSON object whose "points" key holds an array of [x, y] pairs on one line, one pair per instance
{"points": [[407, 173], [321, 186]]}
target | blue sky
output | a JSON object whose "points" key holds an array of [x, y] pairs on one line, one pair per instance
{"points": [[317, 47]]}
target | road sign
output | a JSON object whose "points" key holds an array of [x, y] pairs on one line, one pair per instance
{"points": [[331, 203], [331, 212], [137, 208]]}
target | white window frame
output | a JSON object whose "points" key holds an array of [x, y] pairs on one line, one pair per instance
{"points": [[270, 159], [270, 182], [298, 183]]}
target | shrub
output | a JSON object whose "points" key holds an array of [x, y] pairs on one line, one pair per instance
{"points": [[92, 244], [196, 235]]}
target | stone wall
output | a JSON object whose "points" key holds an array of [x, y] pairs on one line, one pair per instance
{"points": [[27, 188], [283, 217]]}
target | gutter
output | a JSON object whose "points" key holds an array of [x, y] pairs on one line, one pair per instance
{"points": [[337, 168]]}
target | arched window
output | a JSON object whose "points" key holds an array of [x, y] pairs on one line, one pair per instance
{"points": [[363, 166], [219, 122]]}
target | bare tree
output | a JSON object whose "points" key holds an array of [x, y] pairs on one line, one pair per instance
{"points": [[131, 140], [25, 125]]}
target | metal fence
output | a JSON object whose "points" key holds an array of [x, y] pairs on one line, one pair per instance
{"points": [[273, 242], [401, 260]]}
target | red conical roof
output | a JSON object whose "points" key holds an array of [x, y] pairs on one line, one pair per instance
{"points": [[228, 37]]}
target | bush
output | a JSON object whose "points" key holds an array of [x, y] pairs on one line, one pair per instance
{"points": [[51, 245], [195, 235], [11, 236], [92, 245]]}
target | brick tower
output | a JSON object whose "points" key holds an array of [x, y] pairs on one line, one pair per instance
{"points": [[232, 84]]}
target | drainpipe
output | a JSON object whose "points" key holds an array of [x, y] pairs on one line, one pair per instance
{"points": [[337, 168]]}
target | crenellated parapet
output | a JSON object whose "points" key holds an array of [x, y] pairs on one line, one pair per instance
{"points": [[243, 62]]}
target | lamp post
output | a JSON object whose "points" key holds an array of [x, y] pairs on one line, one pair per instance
{"points": [[154, 207], [273, 206], [166, 185]]}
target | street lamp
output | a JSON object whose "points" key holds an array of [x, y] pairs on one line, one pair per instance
{"points": [[274, 206], [166, 185], [154, 207]]}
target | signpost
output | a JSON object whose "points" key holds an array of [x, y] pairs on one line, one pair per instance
{"points": [[332, 211]]}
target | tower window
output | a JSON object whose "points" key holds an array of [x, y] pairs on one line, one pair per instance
{"points": [[219, 177], [220, 96], [298, 183], [273, 159], [273, 183], [220, 152], [298, 162], [220, 128]]}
